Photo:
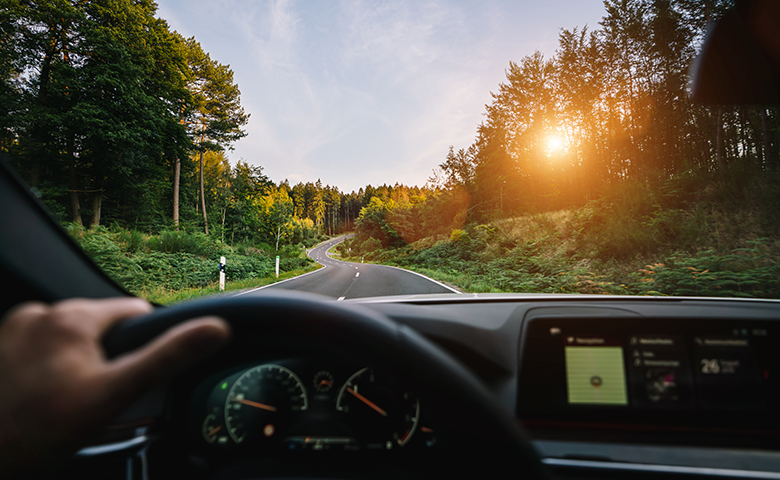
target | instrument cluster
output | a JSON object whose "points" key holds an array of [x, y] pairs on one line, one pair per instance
{"points": [[301, 404]]}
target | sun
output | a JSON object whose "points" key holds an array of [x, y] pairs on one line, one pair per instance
{"points": [[555, 145]]}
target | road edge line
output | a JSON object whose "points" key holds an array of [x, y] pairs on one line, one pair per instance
{"points": [[453, 290], [282, 281], [308, 254]]}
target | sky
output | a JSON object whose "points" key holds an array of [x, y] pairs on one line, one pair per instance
{"points": [[368, 92]]}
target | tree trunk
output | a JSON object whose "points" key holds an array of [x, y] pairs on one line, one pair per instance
{"points": [[42, 98], [767, 141], [224, 211], [203, 195], [72, 185], [97, 202], [176, 179], [743, 131], [719, 138]]}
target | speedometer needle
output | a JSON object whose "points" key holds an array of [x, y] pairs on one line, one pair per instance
{"points": [[255, 404], [367, 401]]}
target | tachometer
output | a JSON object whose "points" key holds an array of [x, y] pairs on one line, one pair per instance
{"points": [[385, 416], [260, 400]]}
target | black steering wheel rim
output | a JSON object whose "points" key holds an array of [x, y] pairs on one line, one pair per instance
{"points": [[489, 435]]}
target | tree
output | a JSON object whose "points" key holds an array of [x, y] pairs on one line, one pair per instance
{"points": [[278, 220], [217, 115]]}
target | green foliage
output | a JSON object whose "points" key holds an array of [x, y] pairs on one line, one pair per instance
{"points": [[167, 296], [752, 271], [458, 235], [195, 243], [369, 246], [176, 260], [689, 243]]}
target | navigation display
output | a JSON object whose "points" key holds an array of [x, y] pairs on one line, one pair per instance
{"points": [[594, 371]]}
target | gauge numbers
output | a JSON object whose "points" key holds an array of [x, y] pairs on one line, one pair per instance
{"points": [[258, 402], [386, 416], [213, 430]]}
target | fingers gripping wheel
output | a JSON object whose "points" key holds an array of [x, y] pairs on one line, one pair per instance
{"points": [[482, 435]]}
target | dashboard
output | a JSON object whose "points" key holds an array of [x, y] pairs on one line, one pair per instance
{"points": [[606, 386], [307, 403], [612, 385], [675, 374]]}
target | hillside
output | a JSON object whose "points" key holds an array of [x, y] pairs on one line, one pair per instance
{"points": [[695, 234]]}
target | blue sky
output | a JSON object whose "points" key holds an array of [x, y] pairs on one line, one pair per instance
{"points": [[368, 92]]}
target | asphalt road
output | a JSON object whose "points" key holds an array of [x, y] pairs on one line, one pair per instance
{"points": [[344, 280]]}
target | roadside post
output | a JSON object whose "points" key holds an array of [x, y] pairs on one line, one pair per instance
{"points": [[277, 266], [222, 273]]}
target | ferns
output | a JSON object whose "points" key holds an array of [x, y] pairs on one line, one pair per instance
{"points": [[176, 260]]}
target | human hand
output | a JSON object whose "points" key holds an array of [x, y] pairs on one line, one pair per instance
{"points": [[56, 386]]}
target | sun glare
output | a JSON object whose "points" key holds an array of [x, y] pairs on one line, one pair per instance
{"points": [[555, 145]]}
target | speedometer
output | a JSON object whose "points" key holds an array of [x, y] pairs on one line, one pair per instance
{"points": [[258, 403]]}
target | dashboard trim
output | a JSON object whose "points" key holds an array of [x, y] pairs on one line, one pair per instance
{"points": [[667, 469], [523, 298], [113, 447]]}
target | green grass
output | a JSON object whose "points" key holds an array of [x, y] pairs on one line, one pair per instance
{"points": [[176, 265], [332, 251], [165, 296], [462, 281]]}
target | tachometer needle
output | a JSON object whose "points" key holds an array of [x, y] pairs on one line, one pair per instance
{"points": [[214, 430], [366, 401], [255, 404]]}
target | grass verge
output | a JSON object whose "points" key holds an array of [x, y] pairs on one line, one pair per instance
{"points": [[165, 296]]}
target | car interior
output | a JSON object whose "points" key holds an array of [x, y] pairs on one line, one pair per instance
{"points": [[450, 385]]}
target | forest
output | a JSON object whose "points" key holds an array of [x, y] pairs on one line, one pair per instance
{"points": [[121, 127], [594, 172]]}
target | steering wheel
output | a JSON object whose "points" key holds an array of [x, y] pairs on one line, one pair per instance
{"points": [[480, 435]]}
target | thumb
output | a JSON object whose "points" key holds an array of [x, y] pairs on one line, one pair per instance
{"points": [[133, 373]]}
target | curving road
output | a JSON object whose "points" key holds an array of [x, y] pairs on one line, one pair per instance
{"points": [[344, 280]]}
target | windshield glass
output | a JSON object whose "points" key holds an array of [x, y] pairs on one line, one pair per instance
{"points": [[521, 147]]}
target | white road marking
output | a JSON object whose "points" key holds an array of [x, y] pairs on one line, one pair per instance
{"points": [[423, 276], [340, 299], [281, 281], [357, 274]]}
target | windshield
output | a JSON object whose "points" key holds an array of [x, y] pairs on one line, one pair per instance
{"points": [[520, 147]]}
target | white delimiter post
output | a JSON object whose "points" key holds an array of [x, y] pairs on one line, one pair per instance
{"points": [[277, 266], [222, 273]]}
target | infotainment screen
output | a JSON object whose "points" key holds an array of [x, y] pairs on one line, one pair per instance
{"points": [[652, 370]]}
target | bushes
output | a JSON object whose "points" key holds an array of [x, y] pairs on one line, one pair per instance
{"points": [[637, 239], [196, 243], [752, 271], [369, 246], [176, 260]]}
